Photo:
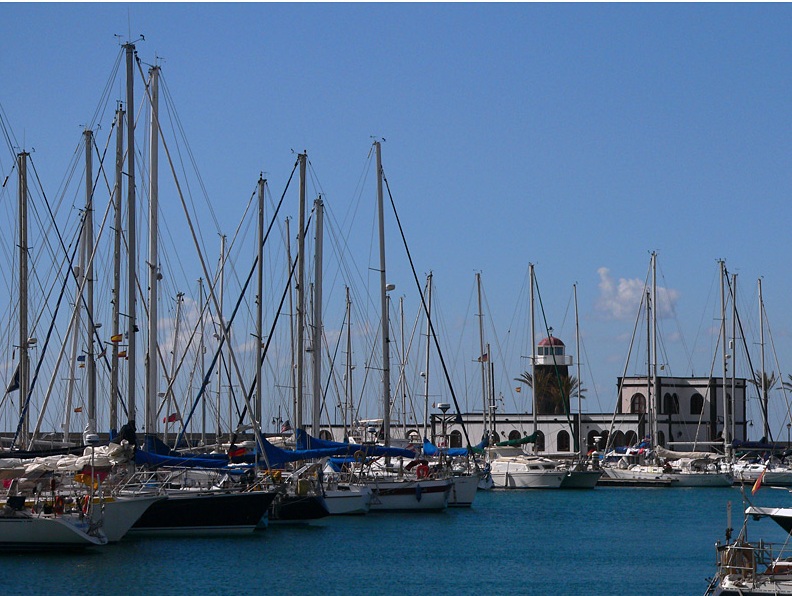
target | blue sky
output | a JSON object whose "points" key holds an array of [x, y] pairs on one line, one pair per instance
{"points": [[579, 137]]}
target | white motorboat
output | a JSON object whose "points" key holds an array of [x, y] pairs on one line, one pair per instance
{"points": [[511, 467]]}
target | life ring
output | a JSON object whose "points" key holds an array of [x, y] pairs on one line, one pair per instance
{"points": [[422, 471]]}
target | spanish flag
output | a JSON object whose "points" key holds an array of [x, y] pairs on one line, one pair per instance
{"points": [[758, 484], [116, 338], [518, 389], [122, 354], [78, 409]]}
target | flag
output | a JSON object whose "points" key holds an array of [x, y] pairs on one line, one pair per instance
{"points": [[82, 365], [14, 384], [518, 389], [78, 409], [122, 354], [758, 484], [171, 418], [286, 427], [81, 358], [116, 338], [236, 452], [483, 358]]}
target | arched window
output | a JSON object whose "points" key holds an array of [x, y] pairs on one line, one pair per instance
{"points": [[495, 436], [631, 438], [455, 439], [696, 404], [514, 435], [661, 438], [325, 435], [562, 441], [638, 404], [540, 441], [670, 403], [592, 439], [603, 439], [618, 439]]}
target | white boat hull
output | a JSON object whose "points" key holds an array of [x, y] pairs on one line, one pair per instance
{"points": [[24, 531], [526, 479], [463, 490], [121, 513], [410, 495], [675, 479], [353, 499]]}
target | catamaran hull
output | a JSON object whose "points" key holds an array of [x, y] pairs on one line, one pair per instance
{"points": [[204, 513]]}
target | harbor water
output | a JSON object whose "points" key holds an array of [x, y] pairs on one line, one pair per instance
{"points": [[603, 541]]}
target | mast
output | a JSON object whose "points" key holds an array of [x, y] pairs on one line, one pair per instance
{"points": [[533, 356], [202, 348], [169, 397], [653, 349], [579, 445], [221, 282], [317, 320], [348, 378], [428, 344], [765, 425], [88, 232], [482, 361], [384, 302], [131, 236], [291, 322], [402, 372], [733, 347], [259, 303], [649, 392], [116, 316], [152, 364], [24, 356], [298, 411], [726, 423]]}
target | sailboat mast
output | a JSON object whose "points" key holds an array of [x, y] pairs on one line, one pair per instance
{"points": [[24, 356], [655, 381], [292, 376], [348, 401], [428, 343], [298, 410], [726, 424], [765, 425], [533, 357], [88, 232], [317, 321], [169, 398], [152, 360], [733, 346], [131, 235], [482, 361], [116, 315], [579, 443], [259, 303], [402, 371], [220, 369], [384, 301]]}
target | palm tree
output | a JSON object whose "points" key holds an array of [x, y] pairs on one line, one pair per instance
{"points": [[552, 395]]}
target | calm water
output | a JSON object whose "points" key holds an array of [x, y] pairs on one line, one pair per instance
{"points": [[605, 541]]}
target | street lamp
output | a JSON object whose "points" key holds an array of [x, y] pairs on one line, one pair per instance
{"points": [[444, 408]]}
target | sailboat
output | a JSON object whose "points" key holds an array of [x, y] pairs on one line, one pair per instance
{"points": [[664, 467]]}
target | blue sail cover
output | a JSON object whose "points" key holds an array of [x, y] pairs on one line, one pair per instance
{"points": [[156, 460], [432, 449], [304, 440]]}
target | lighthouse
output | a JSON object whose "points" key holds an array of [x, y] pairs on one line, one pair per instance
{"points": [[551, 371]]}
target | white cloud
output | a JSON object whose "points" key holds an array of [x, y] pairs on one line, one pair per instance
{"points": [[621, 300]]}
